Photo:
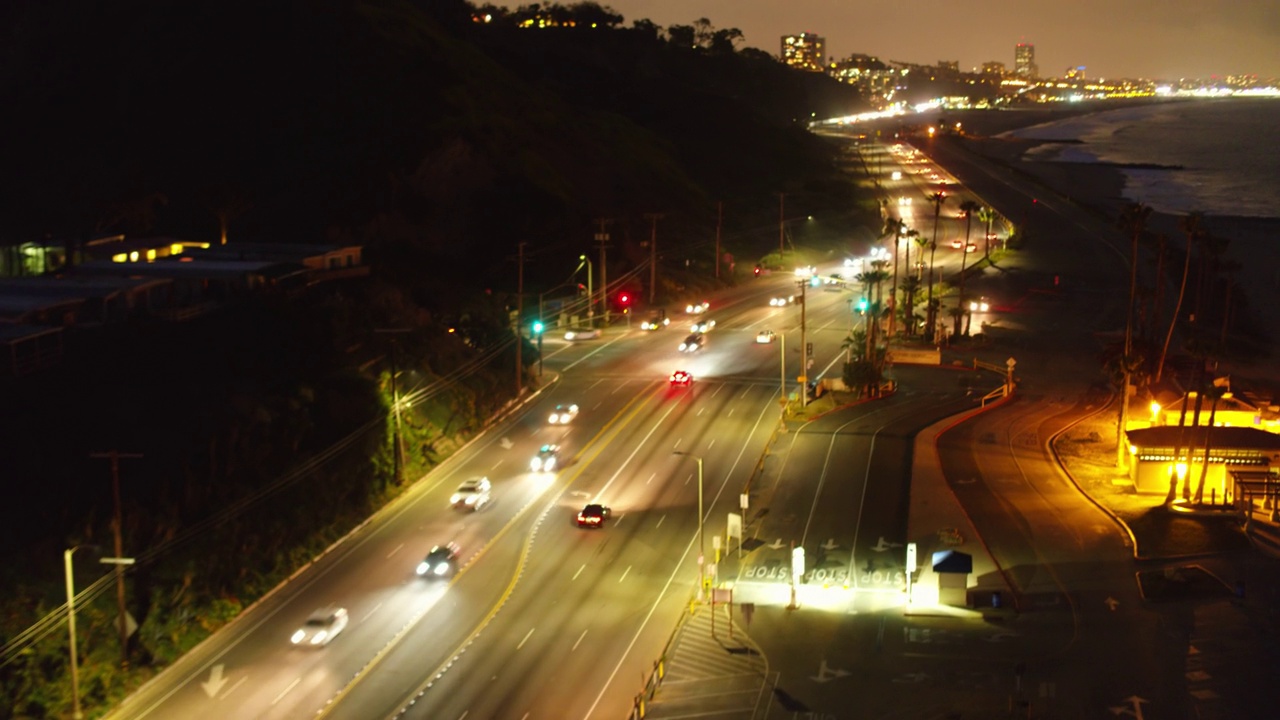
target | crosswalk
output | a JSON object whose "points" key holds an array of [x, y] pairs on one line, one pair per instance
{"points": [[711, 676]]}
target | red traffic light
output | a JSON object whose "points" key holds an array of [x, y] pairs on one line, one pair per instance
{"points": [[624, 298]]}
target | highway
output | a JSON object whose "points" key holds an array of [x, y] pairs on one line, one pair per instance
{"points": [[543, 619]]}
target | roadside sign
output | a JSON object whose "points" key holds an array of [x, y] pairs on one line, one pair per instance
{"points": [[797, 562], [911, 557]]}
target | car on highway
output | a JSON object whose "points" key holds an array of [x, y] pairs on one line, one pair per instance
{"points": [[321, 627], [547, 459], [697, 308], [563, 414], [693, 343], [656, 321], [764, 337], [702, 326], [680, 378], [781, 301], [472, 494], [593, 515], [957, 243], [582, 334], [979, 305], [806, 271], [442, 561]]}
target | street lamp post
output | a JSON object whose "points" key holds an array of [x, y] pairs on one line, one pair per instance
{"points": [[71, 628], [71, 620], [701, 545], [591, 298]]}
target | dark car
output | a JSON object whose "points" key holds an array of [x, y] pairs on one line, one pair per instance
{"points": [[593, 515], [693, 343], [440, 562]]}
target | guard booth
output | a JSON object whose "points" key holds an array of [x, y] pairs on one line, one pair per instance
{"points": [[953, 569]]}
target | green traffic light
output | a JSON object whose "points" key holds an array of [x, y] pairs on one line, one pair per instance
{"points": [[538, 327]]}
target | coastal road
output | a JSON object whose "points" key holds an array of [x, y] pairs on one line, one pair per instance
{"points": [[529, 577]]}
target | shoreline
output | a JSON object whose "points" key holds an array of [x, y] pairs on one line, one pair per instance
{"points": [[1099, 187]]}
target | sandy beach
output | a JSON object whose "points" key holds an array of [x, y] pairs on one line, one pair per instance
{"points": [[1254, 243]]}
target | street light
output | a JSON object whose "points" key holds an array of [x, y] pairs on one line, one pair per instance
{"points": [[701, 545], [591, 298], [71, 621]]}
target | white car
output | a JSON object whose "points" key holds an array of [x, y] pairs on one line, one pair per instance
{"points": [[697, 308], [563, 414], [764, 337], [806, 271], [782, 301], [979, 305], [702, 326], [472, 494], [582, 334], [321, 628]]}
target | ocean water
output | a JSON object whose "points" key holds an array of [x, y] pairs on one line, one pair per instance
{"points": [[1220, 156]]}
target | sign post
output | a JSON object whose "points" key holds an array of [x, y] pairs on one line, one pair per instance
{"points": [[911, 567]]}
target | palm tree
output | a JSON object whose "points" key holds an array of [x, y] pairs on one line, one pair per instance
{"points": [[1191, 226], [937, 199], [895, 228], [1133, 219], [969, 207], [987, 216], [910, 285], [922, 243], [1216, 392]]}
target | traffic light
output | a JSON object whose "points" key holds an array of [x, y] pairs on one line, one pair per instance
{"points": [[624, 299], [538, 327], [862, 306]]}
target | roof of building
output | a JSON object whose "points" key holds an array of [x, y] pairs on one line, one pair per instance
{"points": [[212, 269], [1219, 437]]}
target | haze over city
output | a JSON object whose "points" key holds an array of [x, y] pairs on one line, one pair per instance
{"points": [[1136, 38]]}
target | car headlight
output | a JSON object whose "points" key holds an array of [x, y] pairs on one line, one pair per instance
{"points": [[455, 499], [423, 568], [535, 464], [298, 637], [550, 464], [442, 568], [470, 500], [319, 637]]}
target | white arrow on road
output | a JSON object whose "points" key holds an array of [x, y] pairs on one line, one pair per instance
{"points": [[881, 545], [830, 544], [776, 544], [1112, 603], [1134, 708], [825, 673], [506, 443], [215, 681]]}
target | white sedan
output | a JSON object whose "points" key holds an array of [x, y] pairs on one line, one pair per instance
{"points": [[321, 628], [563, 414], [582, 334], [764, 337], [697, 308]]}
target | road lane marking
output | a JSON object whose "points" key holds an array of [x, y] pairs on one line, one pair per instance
{"points": [[575, 647], [686, 480], [371, 612], [231, 689], [664, 517], [651, 477], [496, 465], [710, 443], [624, 574], [393, 552], [292, 685], [677, 445], [700, 411], [575, 575], [526, 638]]}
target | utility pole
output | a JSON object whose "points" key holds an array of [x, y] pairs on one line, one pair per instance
{"points": [[114, 456], [397, 454], [719, 225], [804, 349], [782, 204], [519, 316], [653, 219], [602, 237]]}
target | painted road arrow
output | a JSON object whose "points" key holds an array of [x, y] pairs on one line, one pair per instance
{"points": [[506, 443], [776, 544], [215, 681], [830, 544]]}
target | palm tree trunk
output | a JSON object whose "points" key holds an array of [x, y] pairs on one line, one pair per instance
{"points": [[1204, 467], [1177, 310]]}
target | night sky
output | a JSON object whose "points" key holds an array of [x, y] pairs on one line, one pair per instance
{"points": [[1155, 39]]}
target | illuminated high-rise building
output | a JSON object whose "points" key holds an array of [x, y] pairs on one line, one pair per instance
{"points": [[805, 51], [1024, 61]]}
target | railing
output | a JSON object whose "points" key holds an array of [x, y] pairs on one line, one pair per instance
{"points": [[640, 703]]}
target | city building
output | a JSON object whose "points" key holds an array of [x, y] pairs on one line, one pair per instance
{"points": [[994, 68], [878, 81], [1024, 61], [1075, 73], [805, 51]]}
